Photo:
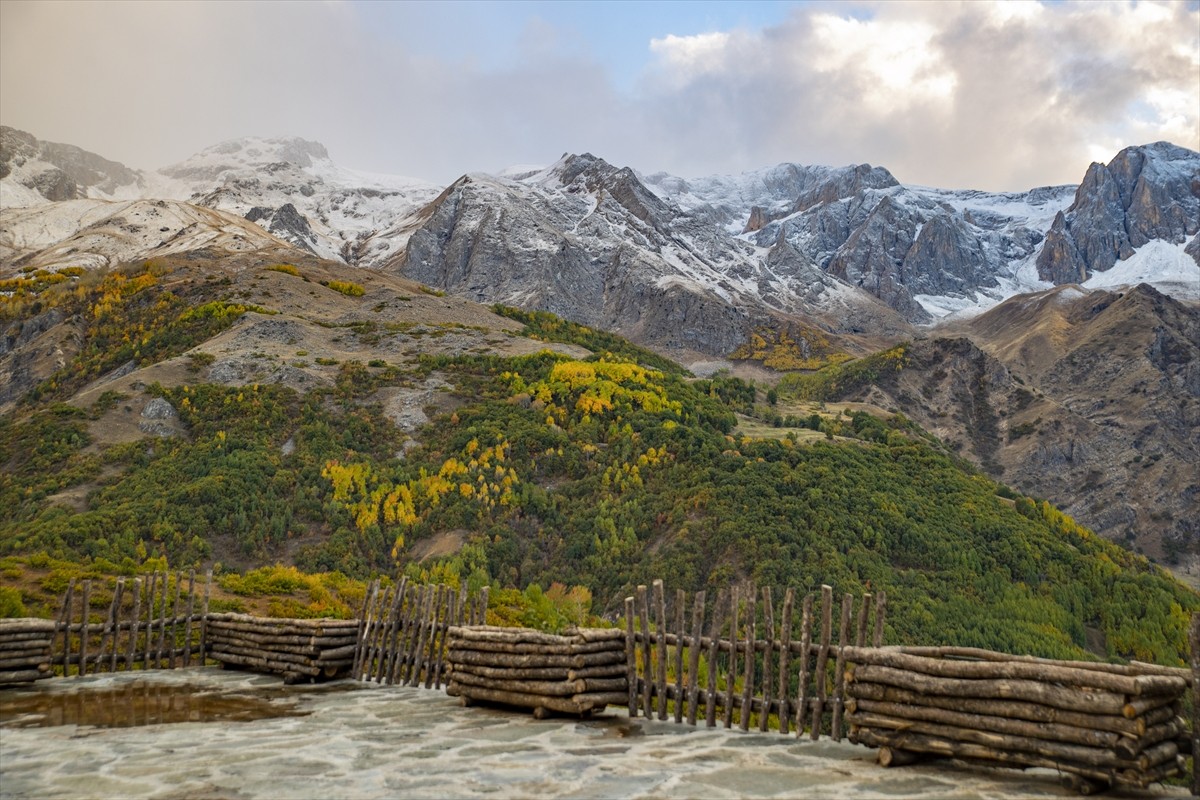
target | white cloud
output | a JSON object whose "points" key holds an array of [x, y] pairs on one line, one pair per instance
{"points": [[991, 95]]}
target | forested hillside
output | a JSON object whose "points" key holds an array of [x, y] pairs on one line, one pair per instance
{"points": [[601, 471]]}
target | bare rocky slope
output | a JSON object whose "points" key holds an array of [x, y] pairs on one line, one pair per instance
{"points": [[1091, 400]]}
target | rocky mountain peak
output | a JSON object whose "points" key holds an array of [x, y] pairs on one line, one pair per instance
{"points": [[49, 171], [1145, 193]]}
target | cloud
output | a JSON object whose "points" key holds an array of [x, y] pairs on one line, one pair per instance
{"points": [[999, 95], [990, 95]]}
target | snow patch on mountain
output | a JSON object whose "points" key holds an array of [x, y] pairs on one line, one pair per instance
{"points": [[1163, 265]]}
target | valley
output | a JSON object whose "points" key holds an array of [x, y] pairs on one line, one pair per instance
{"points": [[292, 363]]}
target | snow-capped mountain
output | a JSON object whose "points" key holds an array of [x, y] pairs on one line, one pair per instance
{"points": [[591, 242], [685, 264], [288, 185]]}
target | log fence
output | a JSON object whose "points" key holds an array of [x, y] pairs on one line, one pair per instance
{"points": [[148, 622], [728, 660], [750, 669]]}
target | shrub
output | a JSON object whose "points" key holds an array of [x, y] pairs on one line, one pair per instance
{"points": [[347, 288]]}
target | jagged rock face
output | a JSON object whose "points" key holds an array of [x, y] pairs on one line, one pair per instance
{"points": [[1143, 194], [1097, 407], [590, 242], [59, 171]]}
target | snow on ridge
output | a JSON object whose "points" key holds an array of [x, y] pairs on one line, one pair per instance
{"points": [[1161, 264]]}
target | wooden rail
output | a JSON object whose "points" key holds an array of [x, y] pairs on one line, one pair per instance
{"points": [[403, 630], [756, 671], [151, 622]]}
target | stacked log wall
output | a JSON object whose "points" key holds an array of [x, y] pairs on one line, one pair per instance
{"points": [[1102, 724], [579, 672]]}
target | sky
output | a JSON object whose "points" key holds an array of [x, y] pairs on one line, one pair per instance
{"points": [[988, 95]]}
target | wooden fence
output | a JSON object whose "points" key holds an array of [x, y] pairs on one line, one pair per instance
{"points": [[151, 622], [403, 630], [745, 659]]}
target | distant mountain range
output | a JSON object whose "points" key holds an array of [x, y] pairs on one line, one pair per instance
{"points": [[691, 266], [1055, 330]]}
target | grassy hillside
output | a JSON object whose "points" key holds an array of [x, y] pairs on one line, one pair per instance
{"points": [[600, 472]]}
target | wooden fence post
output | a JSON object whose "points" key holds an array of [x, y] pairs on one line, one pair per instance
{"points": [[631, 657], [134, 626], [660, 683], [64, 623], [785, 630], [694, 657], [368, 596], [714, 645], [805, 648], [191, 611], [1195, 642], [84, 630], [768, 658], [839, 679], [643, 603], [731, 671], [864, 614], [748, 678], [208, 576], [680, 601], [880, 615], [120, 595], [823, 660]]}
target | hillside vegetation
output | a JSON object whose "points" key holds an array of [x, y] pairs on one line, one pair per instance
{"points": [[598, 472]]}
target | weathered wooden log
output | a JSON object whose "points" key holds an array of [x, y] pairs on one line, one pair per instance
{"points": [[643, 604], [561, 704], [1053, 731], [268, 638], [1090, 702], [208, 578], [266, 664], [550, 688], [600, 671], [768, 658], [820, 675], [589, 701], [980, 654], [517, 673], [748, 662], [298, 627], [839, 669], [1138, 706], [805, 655], [1132, 685], [135, 622], [1194, 646], [785, 635], [1034, 712], [25, 662], [65, 623], [525, 647], [337, 653], [596, 634], [895, 757], [1132, 748], [435, 641], [219, 640], [361, 630], [710, 697], [19, 627], [608, 685], [864, 612], [220, 649], [693, 697], [680, 600], [880, 617], [23, 675], [631, 657], [86, 633], [534, 659], [25, 647], [731, 674], [1075, 753], [660, 603], [948, 748]]}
